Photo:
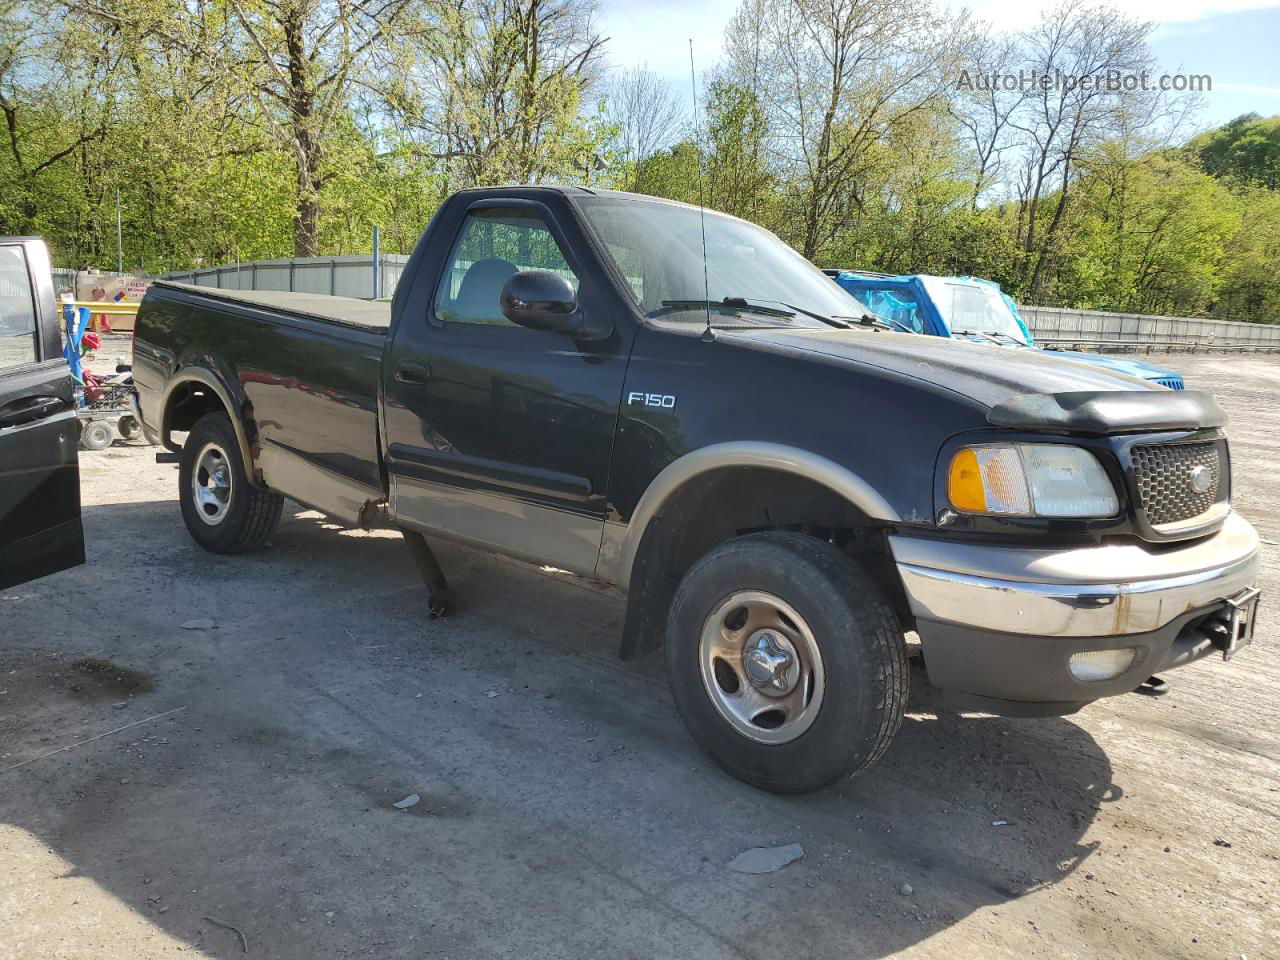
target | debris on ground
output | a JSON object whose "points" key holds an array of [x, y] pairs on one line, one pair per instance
{"points": [[906, 890], [203, 623], [766, 859], [410, 801], [244, 941]]}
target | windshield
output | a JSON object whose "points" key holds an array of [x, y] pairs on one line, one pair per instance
{"points": [[969, 307], [657, 246], [896, 303]]}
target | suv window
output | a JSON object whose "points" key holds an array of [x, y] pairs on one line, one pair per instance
{"points": [[493, 246], [17, 310]]}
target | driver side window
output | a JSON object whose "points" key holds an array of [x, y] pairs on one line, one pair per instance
{"points": [[492, 247], [17, 310]]}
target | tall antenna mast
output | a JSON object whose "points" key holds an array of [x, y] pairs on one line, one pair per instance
{"points": [[708, 334]]}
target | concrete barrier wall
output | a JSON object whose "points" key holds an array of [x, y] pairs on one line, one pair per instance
{"points": [[1066, 325]]}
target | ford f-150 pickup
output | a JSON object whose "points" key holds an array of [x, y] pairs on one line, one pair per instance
{"points": [[782, 487]]}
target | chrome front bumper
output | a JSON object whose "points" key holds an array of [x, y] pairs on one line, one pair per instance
{"points": [[1092, 591], [1003, 622]]}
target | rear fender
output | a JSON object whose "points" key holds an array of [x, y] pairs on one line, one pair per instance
{"points": [[236, 412]]}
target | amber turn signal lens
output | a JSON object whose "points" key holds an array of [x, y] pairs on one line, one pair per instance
{"points": [[964, 485]]}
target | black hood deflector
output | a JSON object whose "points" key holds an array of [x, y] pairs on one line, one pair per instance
{"points": [[1108, 411]]}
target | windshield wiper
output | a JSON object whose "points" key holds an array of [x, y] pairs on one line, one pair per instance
{"points": [[756, 305], [975, 334], [737, 304], [837, 322], [995, 334], [884, 323]]}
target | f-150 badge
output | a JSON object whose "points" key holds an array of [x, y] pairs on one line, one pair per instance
{"points": [[663, 401]]}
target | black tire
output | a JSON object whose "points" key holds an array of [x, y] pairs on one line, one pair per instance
{"points": [[95, 435], [862, 655], [247, 516], [129, 428]]}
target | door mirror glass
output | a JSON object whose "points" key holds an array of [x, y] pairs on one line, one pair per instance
{"points": [[541, 300]]}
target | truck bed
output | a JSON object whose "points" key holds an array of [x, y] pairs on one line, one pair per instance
{"points": [[364, 315], [304, 368]]}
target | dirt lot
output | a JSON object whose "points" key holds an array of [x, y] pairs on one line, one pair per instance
{"points": [[168, 789]]}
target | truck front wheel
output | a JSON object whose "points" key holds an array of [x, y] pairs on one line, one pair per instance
{"points": [[786, 662], [223, 512]]}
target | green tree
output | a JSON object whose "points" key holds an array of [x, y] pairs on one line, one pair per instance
{"points": [[1246, 149], [738, 177]]}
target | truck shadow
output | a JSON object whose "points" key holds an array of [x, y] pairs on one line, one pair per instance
{"points": [[562, 808]]}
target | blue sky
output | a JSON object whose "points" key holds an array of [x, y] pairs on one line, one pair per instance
{"points": [[1236, 42]]}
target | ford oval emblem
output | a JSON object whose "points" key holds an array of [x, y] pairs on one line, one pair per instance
{"points": [[1200, 479]]}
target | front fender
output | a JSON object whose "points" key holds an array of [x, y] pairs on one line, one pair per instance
{"points": [[622, 542]]}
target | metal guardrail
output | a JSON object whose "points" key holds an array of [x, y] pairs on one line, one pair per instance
{"points": [[1150, 346]]}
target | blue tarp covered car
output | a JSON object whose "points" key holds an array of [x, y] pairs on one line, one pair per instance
{"points": [[971, 308]]}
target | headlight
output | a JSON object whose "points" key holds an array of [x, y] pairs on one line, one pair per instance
{"points": [[1030, 480]]}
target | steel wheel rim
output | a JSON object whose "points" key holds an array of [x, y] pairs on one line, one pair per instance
{"points": [[761, 666], [211, 488]]}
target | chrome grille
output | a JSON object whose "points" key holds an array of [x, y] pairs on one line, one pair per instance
{"points": [[1164, 474]]}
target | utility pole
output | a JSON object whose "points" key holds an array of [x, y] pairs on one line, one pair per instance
{"points": [[119, 236]]}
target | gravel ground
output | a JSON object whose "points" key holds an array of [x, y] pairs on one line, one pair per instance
{"points": [[196, 750]]}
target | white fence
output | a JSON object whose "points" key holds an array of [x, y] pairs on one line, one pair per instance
{"points": [[336, 276], [1093, 329]]}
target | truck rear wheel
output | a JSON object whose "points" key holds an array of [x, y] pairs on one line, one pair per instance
{"points": [[223, 512], [786, 662]]}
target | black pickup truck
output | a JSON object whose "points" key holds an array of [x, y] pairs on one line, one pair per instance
{"points": [[782, 486]]}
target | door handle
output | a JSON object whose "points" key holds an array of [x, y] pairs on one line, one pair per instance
{"points": [[412, 371], [32, 408]]}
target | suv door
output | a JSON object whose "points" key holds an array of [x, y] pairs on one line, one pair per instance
{"points": [[40, 530], [498, 434]]}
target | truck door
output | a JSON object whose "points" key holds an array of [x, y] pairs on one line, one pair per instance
{"points": [[40, 529], [497, 434]]}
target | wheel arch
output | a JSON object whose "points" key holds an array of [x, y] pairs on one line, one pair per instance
{"points": [[194, 391], [724, 490]]}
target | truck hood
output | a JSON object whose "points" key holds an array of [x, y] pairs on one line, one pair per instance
{"points": [[1134, 368], [1026, 389], [988, 373]]}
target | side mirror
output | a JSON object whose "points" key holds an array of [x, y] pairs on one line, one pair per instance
{"points": [[546, 301]]}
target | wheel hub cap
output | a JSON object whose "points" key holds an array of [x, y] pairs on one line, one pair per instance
{"points": [[769, 661], [761, 667], [211, 484]]}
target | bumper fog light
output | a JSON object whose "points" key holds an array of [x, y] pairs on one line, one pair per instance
{"points": [[1092, 665]]}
